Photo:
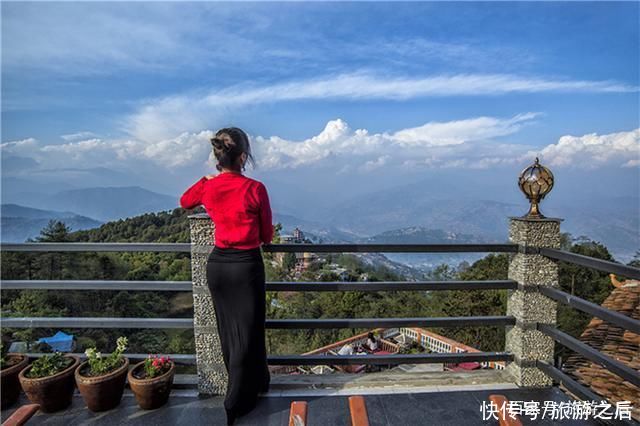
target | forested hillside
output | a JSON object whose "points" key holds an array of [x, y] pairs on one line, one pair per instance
{"points": [[173, 227]]}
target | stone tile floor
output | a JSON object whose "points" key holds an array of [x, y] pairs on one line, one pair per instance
{"points": [[456, 408]]}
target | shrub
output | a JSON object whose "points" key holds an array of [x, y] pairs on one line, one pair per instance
{"points": [[48, 365]]}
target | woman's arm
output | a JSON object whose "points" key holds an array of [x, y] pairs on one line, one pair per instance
{"points": [[266, 227], [192, 197]]}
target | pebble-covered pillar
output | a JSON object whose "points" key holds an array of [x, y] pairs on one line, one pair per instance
{"points": [[527, 304], [212, 374]]}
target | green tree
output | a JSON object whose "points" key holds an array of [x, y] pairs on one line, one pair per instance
{"points": [[456, 303], [55, 231], [586, 283]]}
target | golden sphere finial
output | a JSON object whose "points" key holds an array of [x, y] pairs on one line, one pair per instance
{"points": [[536, 181]]}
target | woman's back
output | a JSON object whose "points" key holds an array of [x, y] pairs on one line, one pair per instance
{"points": [[238, 205]]}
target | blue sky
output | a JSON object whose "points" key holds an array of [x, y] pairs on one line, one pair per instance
{"points": [[368, 92]]}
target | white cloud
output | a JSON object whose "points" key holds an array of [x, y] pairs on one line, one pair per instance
{"points": [[593, 150], [457, 132], [432, 144], [185, 150], [78, 135], [471, 144], [19, 146], [160, 118]]}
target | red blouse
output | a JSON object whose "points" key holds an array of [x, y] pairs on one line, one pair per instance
{"points": [[239, 207]]}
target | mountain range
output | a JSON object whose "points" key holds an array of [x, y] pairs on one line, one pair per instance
{"points": [[100, 203], [20, 223], [409, 213]]}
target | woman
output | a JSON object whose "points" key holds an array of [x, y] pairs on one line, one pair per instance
{"points": [[240, 209]]}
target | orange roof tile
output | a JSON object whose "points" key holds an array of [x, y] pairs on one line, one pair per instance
{"points": [[615, 342]]}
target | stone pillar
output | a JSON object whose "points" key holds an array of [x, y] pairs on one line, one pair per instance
{"points": [[527, 304], [212, 374]]}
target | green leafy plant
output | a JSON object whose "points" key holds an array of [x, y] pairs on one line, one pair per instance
{"points": [[48, 365], [156, 366], [99, 365]]}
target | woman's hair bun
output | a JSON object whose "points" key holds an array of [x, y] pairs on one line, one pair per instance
{"points": [[222, 144], [228, 144]]}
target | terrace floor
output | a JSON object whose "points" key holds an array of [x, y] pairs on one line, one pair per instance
{"points": [[390, 400]]}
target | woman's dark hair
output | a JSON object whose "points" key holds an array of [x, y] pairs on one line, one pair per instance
{"points": [[228, 145]]}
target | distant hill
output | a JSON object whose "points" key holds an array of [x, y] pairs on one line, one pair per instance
{"points": [[15, 210], [20, 223], [423, 235], [385, 210], [612, 221], [107, 203]]}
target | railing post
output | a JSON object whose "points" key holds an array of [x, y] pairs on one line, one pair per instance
{"points": [[212, 374], [527, 304]]}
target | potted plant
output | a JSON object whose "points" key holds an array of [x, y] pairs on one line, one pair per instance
{"points": [[48, 381], [101, 379], [10, 366], [151, 381]]}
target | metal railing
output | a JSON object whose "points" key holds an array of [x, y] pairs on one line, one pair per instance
{"points": [[613, 317], [627, 323], [185, 323], [589, 262], [270, 285]]}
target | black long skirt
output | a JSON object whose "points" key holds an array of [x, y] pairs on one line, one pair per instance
{"points": [[236, 279]]}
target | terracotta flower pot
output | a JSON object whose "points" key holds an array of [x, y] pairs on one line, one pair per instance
{"points": [[102, 393], [151, 393], [52, 393], [10, 384]]}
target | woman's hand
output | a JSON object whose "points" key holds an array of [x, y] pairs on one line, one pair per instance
{"points": [[210, 176]]}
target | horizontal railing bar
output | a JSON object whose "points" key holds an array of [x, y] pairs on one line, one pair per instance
{"points": [[591, 262], [190, 359], [388, 359], [45, 322], [92, 322], [599, 311], [97, 247], [390, 322], [391, 285], [95, 285], [179, 359], [390, 248], [270, 285], [616, 367], [271, 248], [569, 382]]}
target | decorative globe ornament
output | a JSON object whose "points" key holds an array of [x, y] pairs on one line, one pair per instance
{"points": [[535, 181]]}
